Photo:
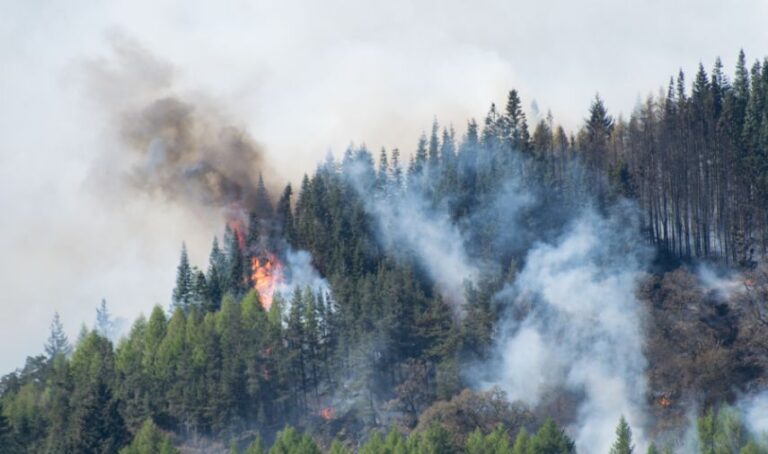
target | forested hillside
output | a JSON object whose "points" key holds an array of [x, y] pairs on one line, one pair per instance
{"points": [[370, 305]]}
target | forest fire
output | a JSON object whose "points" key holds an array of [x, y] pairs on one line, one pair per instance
{"points": [[327, 413], [237, 222], [266, 274]]}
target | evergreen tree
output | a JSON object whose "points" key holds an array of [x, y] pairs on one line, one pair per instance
{"points": [[182, 293], [235, 273], [7, 439], [57, 344], [338, 448], [150, 440], [522, 443], [262, 206], [98, 426], [256, 447], [285, 215], [706, 426], [214, 278], [623, 443], [103, 319], [550, 439]]}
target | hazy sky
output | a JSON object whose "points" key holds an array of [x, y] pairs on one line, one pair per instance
{"points": [[302, 77]]}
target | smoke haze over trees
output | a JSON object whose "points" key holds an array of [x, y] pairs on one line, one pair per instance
{"points": [[519, 289]]}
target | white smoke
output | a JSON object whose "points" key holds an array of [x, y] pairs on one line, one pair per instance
{"points": [[408, 226], [301, 274], [582, 330], [724, 283], [755, 412]]}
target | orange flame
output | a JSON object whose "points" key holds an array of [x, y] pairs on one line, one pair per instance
{"points": [[238, 228], [237, 221], [266, 274], [665, 402], [327, 413]]}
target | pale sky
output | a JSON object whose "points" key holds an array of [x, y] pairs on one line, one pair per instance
{"points": [[303, 77]]}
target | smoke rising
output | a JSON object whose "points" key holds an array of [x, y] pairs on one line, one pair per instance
{"points": [[171, 144], [572, 328], [409, 225], [756, 414], [301, 274], [580, 329]]}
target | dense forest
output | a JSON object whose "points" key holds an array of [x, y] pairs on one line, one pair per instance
{"points": [[376, 353]]}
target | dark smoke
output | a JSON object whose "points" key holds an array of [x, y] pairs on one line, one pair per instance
{"points": [[171, 145], [185, 157]]}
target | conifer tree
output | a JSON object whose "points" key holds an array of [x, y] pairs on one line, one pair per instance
{"points": [[103, 319], [550, 439], [623, 443], [182, 293], [522, 443], [150, 440], [57, 344], [214, 277], [285, 215]]}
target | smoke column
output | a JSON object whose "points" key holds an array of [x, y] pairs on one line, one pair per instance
{"points": [[576, 325], [174, 145]]}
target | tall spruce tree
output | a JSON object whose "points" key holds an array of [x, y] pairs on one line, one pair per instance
{"points": [[182, 292], [623, 443], [57, 344]]}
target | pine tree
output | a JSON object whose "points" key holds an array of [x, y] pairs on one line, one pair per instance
{"points": [[285, 215], [262, 206], [437, 440], [98, 426], [396, 170], [57, 344], [256, 447], [522, 442], [623, 443], [150, 440], [421, 156], [434, 147], [103, 319], [7, 439], [200, 294], [182, 293], [338, 448], [382, 174], [235, 268], [472, 136], [706, 426], [516, 128], [215, 276], [550, 439]]}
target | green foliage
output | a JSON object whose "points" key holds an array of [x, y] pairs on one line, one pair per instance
{"points": [[496, 442], [522, 443], [338, 448], [724, 431], [256, 447], [551, 439], [623, 443], [150, 440], [289, 441]]}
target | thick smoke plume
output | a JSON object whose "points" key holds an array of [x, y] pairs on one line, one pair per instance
{"points": [[574, 326], [171, 144]]}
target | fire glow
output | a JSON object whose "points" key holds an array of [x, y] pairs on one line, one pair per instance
{"points": [[327, 413], [266, 274]]}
